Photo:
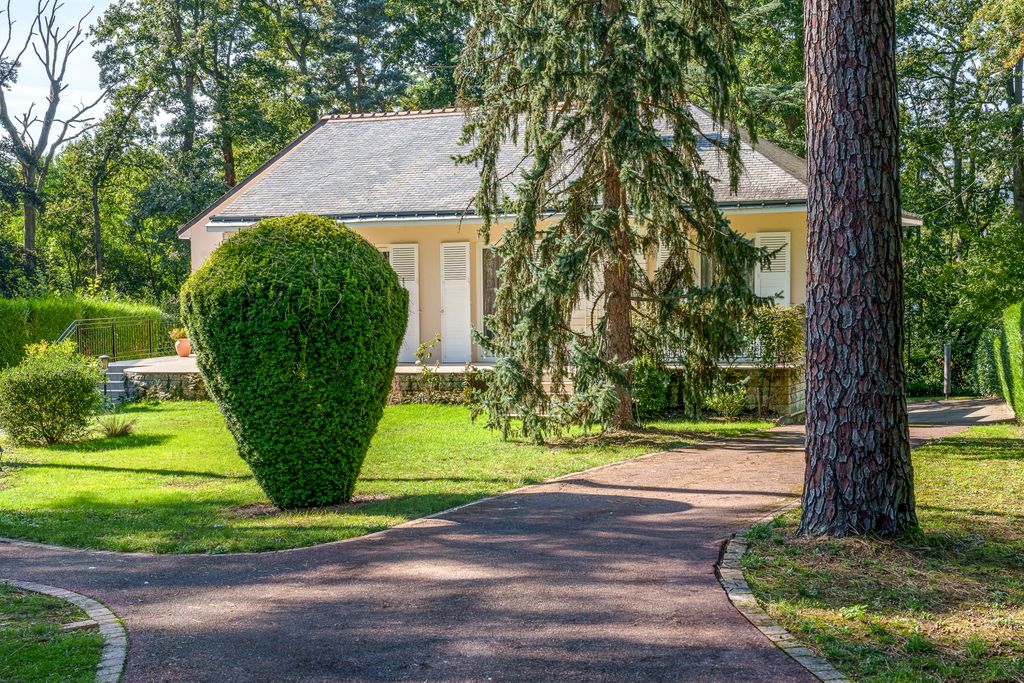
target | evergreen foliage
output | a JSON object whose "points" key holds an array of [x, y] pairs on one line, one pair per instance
{"points": [[296, 323], [600, 95], [51, 396], [1009, 355]]}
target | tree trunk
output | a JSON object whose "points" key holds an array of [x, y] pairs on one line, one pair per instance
{"points": [[227, 147], [30, 176], [1017, 99], [859, 477], [97, 242], [617, 286]]}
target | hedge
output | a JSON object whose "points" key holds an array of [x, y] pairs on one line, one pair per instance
{"points": [[28, 321], [296, 324], [1009, 354]]}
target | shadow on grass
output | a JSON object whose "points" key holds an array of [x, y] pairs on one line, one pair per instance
{"points": [[100, 444], [214, 525], [983, 449], [128, 470]]}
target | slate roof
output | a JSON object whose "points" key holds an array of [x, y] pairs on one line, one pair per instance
{"points": [[401, 164]]}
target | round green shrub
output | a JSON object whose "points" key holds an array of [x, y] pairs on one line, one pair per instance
{"points": [[296, 324], [650, 387], [51, 396]]}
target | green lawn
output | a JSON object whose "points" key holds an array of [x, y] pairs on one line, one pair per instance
{"points": [[34, 648], [945, 604], [177, 484]]}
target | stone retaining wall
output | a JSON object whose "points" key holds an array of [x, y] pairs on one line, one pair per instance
{"points": [[163, 386]]}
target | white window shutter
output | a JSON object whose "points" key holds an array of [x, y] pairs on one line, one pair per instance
{"points": [[588, 310], [404, 259], [661, 257], [456, 319], [773, 280]]}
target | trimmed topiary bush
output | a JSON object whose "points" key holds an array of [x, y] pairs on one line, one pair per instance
{"points": [[51, 396], [296, 324], [1009, 356]]}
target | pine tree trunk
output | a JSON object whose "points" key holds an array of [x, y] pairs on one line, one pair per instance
{"points": [[859, 477], [617, 285]]}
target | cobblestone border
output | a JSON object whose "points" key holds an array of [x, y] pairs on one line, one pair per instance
{"points": [[115, 638], [730, 574]]}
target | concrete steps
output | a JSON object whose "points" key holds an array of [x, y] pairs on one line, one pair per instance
{"points": [[113, 388]]}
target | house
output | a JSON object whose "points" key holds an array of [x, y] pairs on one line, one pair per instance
{"points": [[391, 177]]}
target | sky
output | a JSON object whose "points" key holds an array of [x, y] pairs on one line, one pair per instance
{"points": [[82, 75]]}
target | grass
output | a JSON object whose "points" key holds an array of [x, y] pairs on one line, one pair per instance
{"points": [[177, 484], [34, 648], [944, 604]]}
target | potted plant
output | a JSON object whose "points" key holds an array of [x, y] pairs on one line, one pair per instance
{"points": [[182, 346]]}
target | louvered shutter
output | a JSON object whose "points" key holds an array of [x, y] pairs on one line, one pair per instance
{"points": [[456, 320], [661, 257], [588, 309], [404, 259], [773, 280]]}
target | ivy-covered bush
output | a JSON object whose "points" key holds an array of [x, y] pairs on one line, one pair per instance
{"points": [[296, 324], [51, 396], [1009, 356], [777, 335]]}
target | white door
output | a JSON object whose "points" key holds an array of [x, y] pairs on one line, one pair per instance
{"points": [[773, 280], [456, 321], [404, 260]]}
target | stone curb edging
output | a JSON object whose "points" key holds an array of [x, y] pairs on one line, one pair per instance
{"points": [[115, 638], [730, 574]]}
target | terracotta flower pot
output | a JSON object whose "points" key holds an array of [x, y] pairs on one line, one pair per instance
{"points": [[183, 347]]}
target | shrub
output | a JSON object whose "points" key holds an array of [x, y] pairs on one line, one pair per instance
{"points": [[986, 377], [296, 323], [777, 339], [1009, 355], [650, 387], [27, 321], [113, 426], [51, 396], [728, 399]]}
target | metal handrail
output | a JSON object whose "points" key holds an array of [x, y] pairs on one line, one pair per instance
{"points": [[122, 338]]}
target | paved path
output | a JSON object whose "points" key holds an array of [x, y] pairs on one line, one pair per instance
{"points": [[607, 575]]}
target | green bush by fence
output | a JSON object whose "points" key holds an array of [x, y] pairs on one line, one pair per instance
{"points": [[27, 321], [1009, 356]]}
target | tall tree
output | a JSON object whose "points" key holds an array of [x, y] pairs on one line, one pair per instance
{"points": [[859, 477], [771, 61], [599, 93], [35, 138], [1001, 22]]}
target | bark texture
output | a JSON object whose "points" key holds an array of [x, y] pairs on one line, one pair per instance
{"points": [[859, 477], [618, 301]]}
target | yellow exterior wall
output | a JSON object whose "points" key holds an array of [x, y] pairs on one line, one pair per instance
{"points": [[429, 237]]}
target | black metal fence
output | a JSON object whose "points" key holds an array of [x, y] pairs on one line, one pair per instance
{"points": [[122, 338]]}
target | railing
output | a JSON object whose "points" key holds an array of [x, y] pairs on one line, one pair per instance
{"points": [[129, 338]]}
